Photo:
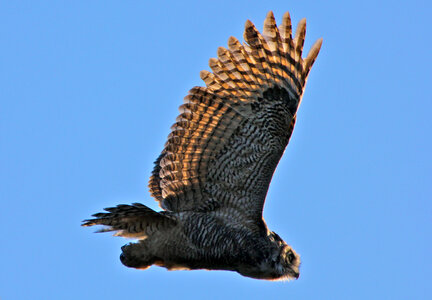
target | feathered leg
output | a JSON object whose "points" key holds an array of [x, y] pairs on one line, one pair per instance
{"points": [[137, 255]]}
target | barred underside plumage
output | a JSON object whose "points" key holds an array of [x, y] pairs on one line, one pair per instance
{"points": [[213, 174], [222, 118]]}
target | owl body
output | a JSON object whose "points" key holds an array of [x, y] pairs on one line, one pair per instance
{"points": [[212, 177], [219, 244]]}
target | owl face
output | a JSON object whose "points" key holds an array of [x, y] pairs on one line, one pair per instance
{"points": [[286, 261], [290, 263]]}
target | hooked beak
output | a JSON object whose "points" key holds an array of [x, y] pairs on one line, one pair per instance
{"points": [[294, 273]]}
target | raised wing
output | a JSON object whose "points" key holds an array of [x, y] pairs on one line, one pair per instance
{"points": [[229, 136]]}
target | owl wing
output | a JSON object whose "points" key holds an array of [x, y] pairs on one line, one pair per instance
{"points": [[231, 134]]}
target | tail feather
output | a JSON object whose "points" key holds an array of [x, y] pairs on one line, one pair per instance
{"points": [[136, 220]]}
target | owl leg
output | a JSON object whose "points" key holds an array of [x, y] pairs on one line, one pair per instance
{"points": [[137, 255]]}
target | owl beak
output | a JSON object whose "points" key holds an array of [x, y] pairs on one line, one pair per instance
{"points": [[294, 273]]}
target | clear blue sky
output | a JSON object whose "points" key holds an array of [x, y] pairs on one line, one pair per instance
{"points": [[89, 90]]}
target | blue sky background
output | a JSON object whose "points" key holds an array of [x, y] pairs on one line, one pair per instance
{"points": [[89, 90]]}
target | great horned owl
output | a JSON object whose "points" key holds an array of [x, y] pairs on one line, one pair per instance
{"points": [[212, 177]]}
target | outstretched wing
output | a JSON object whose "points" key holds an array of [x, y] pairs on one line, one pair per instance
{"points": [[230, 135]]}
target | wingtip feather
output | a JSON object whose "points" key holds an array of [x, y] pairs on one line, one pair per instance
{"points": [[300, 36], [248, 24], [269, 18], [270, 30], [248, 31], [312, 55], [286, 25]]}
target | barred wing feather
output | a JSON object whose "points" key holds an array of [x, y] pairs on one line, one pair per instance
{"points": [[231, 134]]}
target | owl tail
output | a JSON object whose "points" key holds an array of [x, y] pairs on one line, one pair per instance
{"points": [[132, 221]]}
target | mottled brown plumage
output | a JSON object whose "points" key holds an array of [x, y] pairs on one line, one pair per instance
{"points": [[212, 177]]}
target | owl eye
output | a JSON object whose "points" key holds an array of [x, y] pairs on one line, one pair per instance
{"points": [[291, 257]]}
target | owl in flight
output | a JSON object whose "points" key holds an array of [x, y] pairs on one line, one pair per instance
{"points": [[212, 177]]}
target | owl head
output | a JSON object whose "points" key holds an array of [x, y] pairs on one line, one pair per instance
{"points": [[284, 261], [277, 261]]}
